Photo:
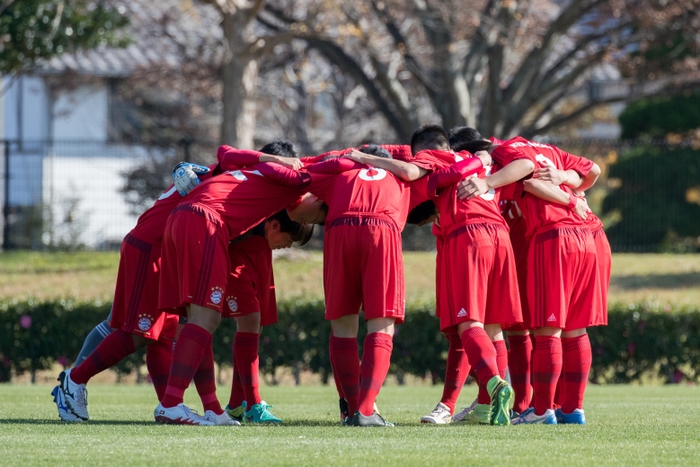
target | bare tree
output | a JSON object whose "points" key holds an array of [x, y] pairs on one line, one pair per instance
{"points": [[504, 66]]}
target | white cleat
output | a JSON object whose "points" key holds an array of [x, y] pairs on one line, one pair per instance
{"points": [[439, 416], [529, 417], [63, 412], [74, 395], [223, 419], [462, 414], [179, 415]]}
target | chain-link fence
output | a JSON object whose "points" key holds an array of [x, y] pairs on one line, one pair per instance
{"points": [[86, 194]]}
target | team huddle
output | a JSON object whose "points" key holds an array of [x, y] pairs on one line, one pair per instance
{"points": [[519, 256]]}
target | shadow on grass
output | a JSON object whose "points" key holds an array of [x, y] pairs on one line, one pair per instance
{"points": [[656, 281]]}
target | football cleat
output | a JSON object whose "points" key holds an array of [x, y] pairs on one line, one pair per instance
{"points": [[179, 415], [238, 413], [63, 412], [222, 419], [372, 420], [460, 416], [440, 415], [501, 400], [577, 417], [344, 409], [481, 415], [260, 413], [74, 395], [529, 417]]}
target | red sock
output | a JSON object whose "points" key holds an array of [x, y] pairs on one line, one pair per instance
{"points": [[245, 351], [483, 396], [346, 365], [237, 394], [577, 366], [519, 359], [336, 377], [112, 350], [456, 372], [481, 354], [189, 350], [159, 358], [501, 357], [376, 358], [205, 382], [546, 368]]}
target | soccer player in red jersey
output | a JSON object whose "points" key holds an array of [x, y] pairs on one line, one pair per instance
{"points": [[250, 300], [564, 293], [367, 210]]}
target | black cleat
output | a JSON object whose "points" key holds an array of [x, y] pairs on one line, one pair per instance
{"points": [[344, 410], [373, 420]]}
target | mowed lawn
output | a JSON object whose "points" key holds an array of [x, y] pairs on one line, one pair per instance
{"points": [[628, 425], [666, 278]]}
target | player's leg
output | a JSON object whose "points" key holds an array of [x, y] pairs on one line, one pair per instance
{"points": [[577, 357], [93, 339], [519, 363], [456, 373], [346, 360]]}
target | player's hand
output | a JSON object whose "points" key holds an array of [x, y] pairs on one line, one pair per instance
{"points": [[289, 162], [550, 174], [185, 176], [485, 157], [581, 208], [471, 187]]}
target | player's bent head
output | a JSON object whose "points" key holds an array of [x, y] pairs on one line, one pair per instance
{"points": [[422, 214], [374, 150], [280, 147], [297, 233], [308, 210], [464, 138], [429, 136]]}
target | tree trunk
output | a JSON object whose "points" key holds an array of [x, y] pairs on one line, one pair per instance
{"points": [[240, 74]]}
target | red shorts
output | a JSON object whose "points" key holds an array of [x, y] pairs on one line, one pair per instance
{"points": [[565, 288], [251, 286], [194, 260], [521, 245], [602, 249], [363, 267], [478, 281], [135, 307]]}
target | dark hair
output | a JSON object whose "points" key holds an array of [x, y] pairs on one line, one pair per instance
{"points": [[280, 147], [421, 213], [429, 136], [463, 138], [301, 234], [374, 150]]}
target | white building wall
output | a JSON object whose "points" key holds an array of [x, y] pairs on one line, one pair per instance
{"points": [[81, 113]]}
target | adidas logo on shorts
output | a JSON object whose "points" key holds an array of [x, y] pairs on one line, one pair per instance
{"points": [[551, 318], [462, 313]]}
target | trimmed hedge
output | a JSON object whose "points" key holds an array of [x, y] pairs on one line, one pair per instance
{"points": [[641, 341]]}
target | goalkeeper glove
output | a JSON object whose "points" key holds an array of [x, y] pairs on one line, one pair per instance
{"points": [[185, 176]]}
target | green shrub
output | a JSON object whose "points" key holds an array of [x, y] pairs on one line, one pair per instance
{"points": [[640, 341]]}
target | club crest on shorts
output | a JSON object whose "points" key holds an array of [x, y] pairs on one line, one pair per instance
{"points": [[372, 174], [145, 322], [217, 293], [232, 304]]}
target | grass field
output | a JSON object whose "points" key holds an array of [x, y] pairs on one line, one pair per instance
{"points": [[665, 278], [628, 425]]}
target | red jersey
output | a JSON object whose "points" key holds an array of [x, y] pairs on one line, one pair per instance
{"points": [[454, 211], [244, 198], [539, 213], [351, 190]]}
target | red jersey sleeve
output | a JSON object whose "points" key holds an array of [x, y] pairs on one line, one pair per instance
{"points": [[231, 158], [577, 163], [453, 174], [335, 166], [282, 175], [401, 152]]}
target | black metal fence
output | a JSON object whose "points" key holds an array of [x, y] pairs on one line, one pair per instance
{"points": [[88, 194]]}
